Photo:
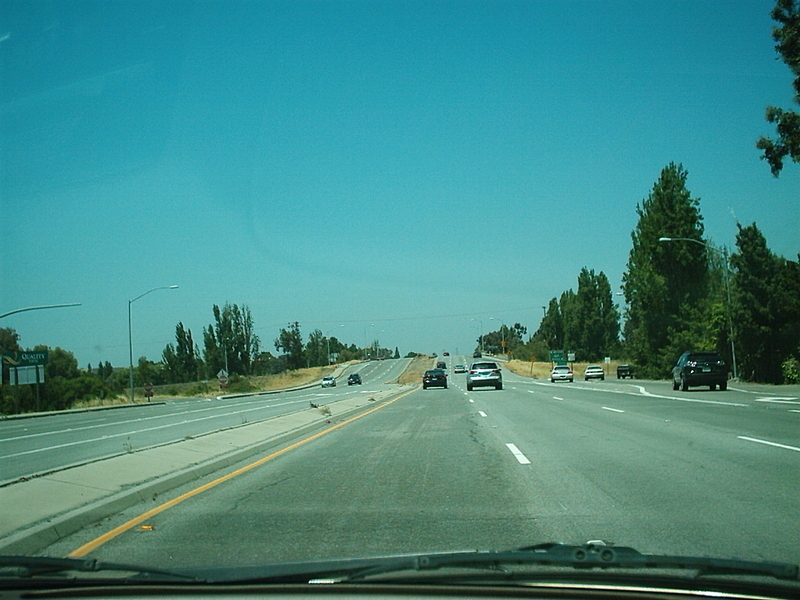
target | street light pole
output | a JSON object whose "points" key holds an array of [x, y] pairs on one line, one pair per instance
{"points": [[130, 329], [19, 310], [724, 253], [481, 336]]}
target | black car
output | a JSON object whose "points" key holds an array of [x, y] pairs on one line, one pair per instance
{"points": [[700, 368], [354, 379], [434, 378]]}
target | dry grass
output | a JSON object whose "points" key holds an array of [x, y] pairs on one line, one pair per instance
{"points": [[415, 370], [95, 402], [541, 370], [290, 378]]}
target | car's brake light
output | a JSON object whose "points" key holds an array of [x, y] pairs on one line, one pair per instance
{"points": [[496, 371], [472, 372]]}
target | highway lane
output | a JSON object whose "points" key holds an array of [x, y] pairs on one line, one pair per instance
{"points": [[450, 469], [36, 445]]}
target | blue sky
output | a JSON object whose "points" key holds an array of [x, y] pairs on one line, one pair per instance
{"points": [[407, 171]]}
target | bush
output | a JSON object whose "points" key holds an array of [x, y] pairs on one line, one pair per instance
{"points": [[791, 370]]}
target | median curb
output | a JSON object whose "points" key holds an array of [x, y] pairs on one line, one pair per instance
{"points": [[40, 511]]}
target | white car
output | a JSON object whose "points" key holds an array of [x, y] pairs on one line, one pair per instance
{"points": [[328, 381], [594, 372], [561, 373]]}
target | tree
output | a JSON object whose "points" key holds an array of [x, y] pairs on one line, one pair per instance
{"points": [[9, 342], [767, 307], [230, 341], [182, 361], [551, 329], [787, 122], [316, 349], [594, 326], [665, 283], [291, 342]]}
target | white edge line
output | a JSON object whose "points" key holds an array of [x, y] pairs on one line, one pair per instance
{"points": [[756, 440], [616, 410]]}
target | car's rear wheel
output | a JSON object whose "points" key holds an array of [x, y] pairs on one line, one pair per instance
{"points": [[684, 384], [723, 386], [675, 385], [713, 387], [499, 386], [469, 388]]}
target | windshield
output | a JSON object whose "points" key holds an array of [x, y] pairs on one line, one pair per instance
{"points": [[215, 213]]}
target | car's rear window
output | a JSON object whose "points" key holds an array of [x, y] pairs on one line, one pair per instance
{"points": [[484, 365], [434, 372]]}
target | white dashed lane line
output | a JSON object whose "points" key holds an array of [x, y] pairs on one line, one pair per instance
{"points": [[616, 410], [521, 458], [481, 413]]}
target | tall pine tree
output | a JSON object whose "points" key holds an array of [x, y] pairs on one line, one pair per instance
{"points": [[665, 283]]}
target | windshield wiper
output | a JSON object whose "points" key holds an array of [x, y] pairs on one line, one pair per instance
{"points": [[22, 567], [592, 555], [589, 556]]}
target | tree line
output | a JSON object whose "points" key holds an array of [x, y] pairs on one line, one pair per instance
{"points": [[229, 344], [681, 292]]}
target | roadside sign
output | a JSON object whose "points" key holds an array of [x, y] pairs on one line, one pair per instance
{"points": [[557, 356], [26, 359], [223, 379], [148, 390], [27, 375]]}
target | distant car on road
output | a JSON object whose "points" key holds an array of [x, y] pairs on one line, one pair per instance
{"points": [[441, 365], [700, 368], [484, 374], [434, 378], [477, 355], [594, 372], [624, 371], [445, 354], [561, 373], [459, 369], [328, 381], [354, 379]]}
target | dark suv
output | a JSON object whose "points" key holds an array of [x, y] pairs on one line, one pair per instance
{"points": [[700, 368], [434, 378], [354, 379]]}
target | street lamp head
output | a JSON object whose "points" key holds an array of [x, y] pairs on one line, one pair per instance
{"points": [[665, 239], [173, 287]]}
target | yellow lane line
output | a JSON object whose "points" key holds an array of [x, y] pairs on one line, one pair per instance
{"points": [[110, 535]]}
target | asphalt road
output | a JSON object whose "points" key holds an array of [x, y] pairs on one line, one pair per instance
{"points": [[630, 462], [38, 445]]}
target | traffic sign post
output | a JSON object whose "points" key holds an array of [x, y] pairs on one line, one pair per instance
{"points": [[223, 379], [148, 391]]}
